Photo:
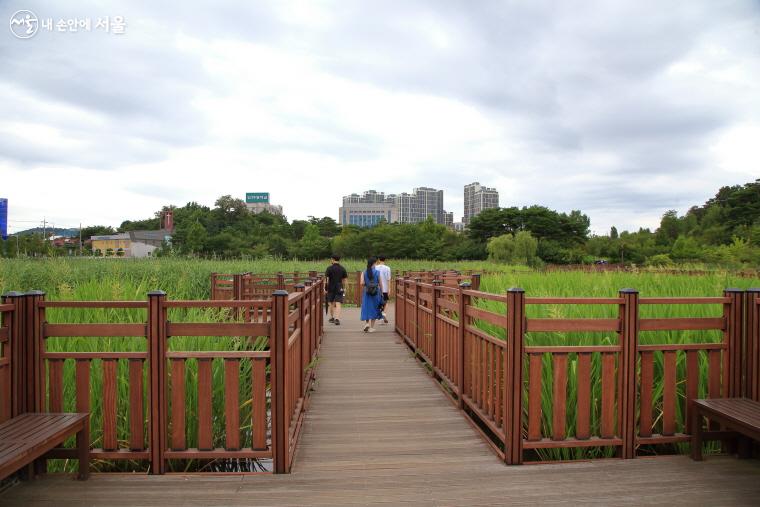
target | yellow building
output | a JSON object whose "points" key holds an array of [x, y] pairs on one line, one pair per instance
{"points": [[111, 244], [129, 244]]}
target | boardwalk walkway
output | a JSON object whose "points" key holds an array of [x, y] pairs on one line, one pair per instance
{"points": [[379, 432]]}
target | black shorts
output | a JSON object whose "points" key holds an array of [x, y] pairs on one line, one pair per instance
{"points": [[334, 297], [385, 296]]}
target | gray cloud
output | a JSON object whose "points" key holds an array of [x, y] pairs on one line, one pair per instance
{"points": [[567, 81]]}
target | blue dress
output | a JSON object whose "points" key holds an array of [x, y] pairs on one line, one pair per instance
{"points": [[371, 304]]}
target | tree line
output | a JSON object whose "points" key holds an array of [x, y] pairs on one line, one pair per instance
{"points": [[725, 230]]}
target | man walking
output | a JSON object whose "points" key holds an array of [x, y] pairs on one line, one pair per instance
{"points": [[336, 276], [385, 283]]}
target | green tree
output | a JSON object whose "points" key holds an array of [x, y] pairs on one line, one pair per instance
{"points": [[525, 248], [312, 245], [501, 248]]}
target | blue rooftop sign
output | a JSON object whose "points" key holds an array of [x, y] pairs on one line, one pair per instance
{"points": [[3, 218]]}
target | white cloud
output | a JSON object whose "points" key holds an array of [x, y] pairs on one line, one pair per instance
{"points": [[620, 110]]}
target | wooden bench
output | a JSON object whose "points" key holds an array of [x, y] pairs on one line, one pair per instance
{"points": [[29, 436], [740, 415]]}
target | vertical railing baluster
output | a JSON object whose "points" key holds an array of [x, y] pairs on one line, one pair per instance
{"points": [[628, 339], [514, 375], [278, 351], [157, 381]]}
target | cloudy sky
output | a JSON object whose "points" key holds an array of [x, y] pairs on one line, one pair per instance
{"points": [[620, 109]]}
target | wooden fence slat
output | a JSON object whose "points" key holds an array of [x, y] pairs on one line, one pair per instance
{"points": [[56, 385], [178, 405], [669, 393], [692, 384], [499, 387], [232, 403], [491, 379], [608, 396], [582, 421], [713, 371], [205, 412], [483, 399], [534, 396], [136, 417], [110, 367], [559, 400], [259, 401], [645, 395]]}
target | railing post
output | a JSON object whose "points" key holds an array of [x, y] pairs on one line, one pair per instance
{"points": [[398, 314], [752, 319], [35, 374], [157, 379], [416, 339], [213, 286], [17, 358], [475, 281], [464, 301], [299, 287], [278, 349], [514, 376], [405, 328], [434, 329], [237, 293], [629, 338], [314, 313], [734, 314], [280, 281]]}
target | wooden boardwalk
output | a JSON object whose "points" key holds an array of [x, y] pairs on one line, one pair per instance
{"points": [[379, 432]]}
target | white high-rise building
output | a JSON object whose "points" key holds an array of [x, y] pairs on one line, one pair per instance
{"points": [[477, 198], [369, 208]]}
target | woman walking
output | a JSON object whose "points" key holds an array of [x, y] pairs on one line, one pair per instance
{"points": [[371, 296]]}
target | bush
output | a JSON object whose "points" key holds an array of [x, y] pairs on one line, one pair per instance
{"points": [[661, 260]]}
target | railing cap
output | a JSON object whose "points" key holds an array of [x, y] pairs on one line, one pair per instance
{"points": [[516, 290], [280, 292], [465, 285], [156, 293], [299, 286], [35, 293], [753, 289], [732, 290], [629, 291], [437, 282], [13, 294]]}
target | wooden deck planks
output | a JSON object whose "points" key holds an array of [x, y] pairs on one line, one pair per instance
{"points": [[378, 431]]}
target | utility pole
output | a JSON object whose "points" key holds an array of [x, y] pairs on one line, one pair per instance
{"points": [[80, 239]]}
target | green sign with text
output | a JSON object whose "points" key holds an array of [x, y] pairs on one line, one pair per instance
{"points": [[251, 197]]}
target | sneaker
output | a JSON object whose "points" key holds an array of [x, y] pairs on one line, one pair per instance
{"points": [[337, 322], [385, 319], [371, 330], [366, 328], [332, 319]]}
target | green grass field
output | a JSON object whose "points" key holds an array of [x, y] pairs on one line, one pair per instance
{"points": [[127, 279]]}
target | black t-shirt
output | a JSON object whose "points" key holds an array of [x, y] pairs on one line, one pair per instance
{"points": [[335, 275]]}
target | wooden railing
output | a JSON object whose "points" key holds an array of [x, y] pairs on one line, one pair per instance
{"points": [[482, 349], [752, 365], [250, 286], [130, 368]]}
